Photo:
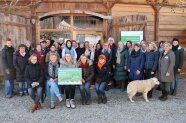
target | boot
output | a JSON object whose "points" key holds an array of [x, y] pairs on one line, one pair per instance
{"points": [[104, 100], [165, 97], [174, 92], [171, 91], [87, 102], [52, 105], [83, 101], [99, 100], [149, 95], [162, 96], [34, 108]]}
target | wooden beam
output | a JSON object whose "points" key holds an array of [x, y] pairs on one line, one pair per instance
{"points": [[14, 24], [129, 24]]}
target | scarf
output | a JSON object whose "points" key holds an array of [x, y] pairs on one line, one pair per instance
{"points": [[174, 48], [134, 53], [22, 53], [118, 60], [100, 65], [53, 69], [84, 65]]}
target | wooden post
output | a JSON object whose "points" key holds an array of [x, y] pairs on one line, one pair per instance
{"points": [[156, 28], [37, 25], [72, 27]]}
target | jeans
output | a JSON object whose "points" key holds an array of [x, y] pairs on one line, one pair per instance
{"points": [[70, 91], [54, 90], [100, 88], [22, 87], [175, 83], [85, 90], [35, 94], [9, 87]]}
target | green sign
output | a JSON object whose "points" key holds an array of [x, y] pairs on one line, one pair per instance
{"points": [[134, 36], [69, 76], [134, 39]]}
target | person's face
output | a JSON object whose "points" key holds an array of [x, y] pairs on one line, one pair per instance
{"points": [[101, 61], [22, 49], [136, 48], [74, 44], [161, 45], [143, 45], [120, 45], [98, 46], [86, 45], [52, 48], [53, 58], [166, 47], [83, 59], [8, 43], [91, 45], [68, 44], [81, 45], [129, 44], [48, 42], [43, 45], [106, 46], [151, 47], [175, 43], [68, 57], [38, 48], [111, 42], [57, 45], [33, 60]]}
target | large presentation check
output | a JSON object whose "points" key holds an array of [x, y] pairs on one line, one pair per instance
{"points": [[69, 76]]}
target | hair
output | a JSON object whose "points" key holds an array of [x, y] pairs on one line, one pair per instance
{"points": [[167, 43], [33, 55], [21, 45], [8, 39], [129, 42], [53, 54], [154, 46], [53, 45], [175, 39], [67, 42], [83, 55], [110, 38], [160, 43], [138, 45]]}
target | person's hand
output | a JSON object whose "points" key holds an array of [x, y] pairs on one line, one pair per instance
{"points": [[36, 83], [179, 70], [167, 74], [129, 70], [33, 85], [52, 80], [7, 71], [114, 66], [125, 67], [138, 72], [152, 72]]}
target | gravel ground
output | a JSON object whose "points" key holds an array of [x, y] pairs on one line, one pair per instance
{"points": [[117, 110]]}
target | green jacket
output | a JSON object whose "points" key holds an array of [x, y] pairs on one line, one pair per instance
{"points": [[179, 59]]}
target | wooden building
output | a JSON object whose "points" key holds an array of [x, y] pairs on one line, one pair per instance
{"points": [[78, 19]]}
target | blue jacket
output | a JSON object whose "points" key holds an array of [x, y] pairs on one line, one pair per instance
{"points": [[151, 60], [136, 62]]}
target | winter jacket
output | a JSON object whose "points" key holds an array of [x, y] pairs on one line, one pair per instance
{"points": [[87, 73], [120, 73], [34, 73], [102, 75], [41, 58], [166, 65], [20, 64], [7, 62], [79, 52], [136, 62], [151, 60]]}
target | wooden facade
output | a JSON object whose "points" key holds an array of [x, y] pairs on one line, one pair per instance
{"points": [[159, 19]]}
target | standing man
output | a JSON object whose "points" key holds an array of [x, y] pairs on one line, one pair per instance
{"points": [[8, 68], [179, 59]]}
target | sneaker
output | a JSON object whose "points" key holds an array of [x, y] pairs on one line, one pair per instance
{"points": [[60, 98], [87, 102], [9, 96], [99, 100], [72, 103], [26, 93], [67, 103], [52, 105], [21, 94]]}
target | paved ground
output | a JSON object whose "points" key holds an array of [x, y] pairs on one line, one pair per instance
{"points": [[117, 110]]}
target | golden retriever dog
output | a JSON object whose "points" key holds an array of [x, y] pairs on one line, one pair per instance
{"points": [[141, 86]]}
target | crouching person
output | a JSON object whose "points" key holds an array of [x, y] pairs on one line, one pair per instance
{"points": [[34, 79], [87, 74], [51, 74], [102, 77]]}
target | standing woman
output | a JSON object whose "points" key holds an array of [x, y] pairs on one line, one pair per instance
{"points": [[70, 50], [69, 62], [166, 70], [120, 74], [102, 76], [136, 64], [40, 56], [34, 79], [8, 68], [80, 50], [20, 63], [151, 63], [87, 75], [53, 50], [179, 60], [51, 74]]}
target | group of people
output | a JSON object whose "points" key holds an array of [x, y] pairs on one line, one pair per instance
{"points": [[103, 65]]}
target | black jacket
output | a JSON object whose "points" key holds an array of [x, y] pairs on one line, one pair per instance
{"points": [[33, 73], [102, 75], [20, 64], [7, 62], [79, 52]]}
